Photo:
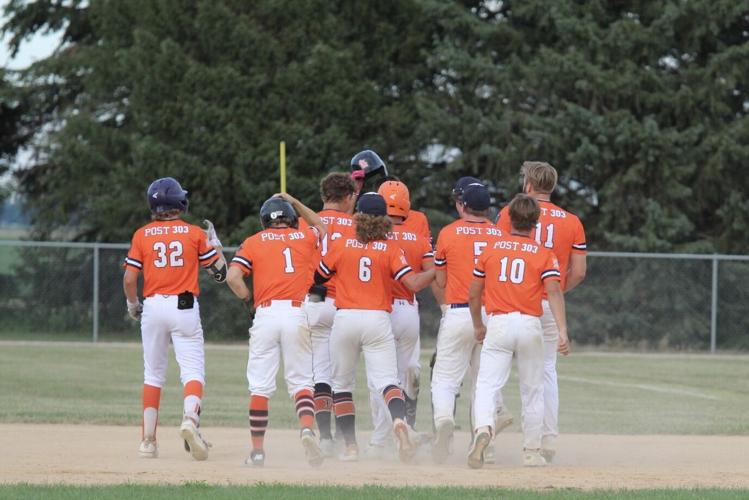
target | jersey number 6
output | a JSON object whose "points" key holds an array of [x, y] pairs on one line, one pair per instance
{"points": [[365, 272]]}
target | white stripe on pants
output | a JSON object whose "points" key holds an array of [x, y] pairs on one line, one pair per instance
{"points": [[279, 330], [507, 334], [405, 325], [457, 351], [368, 331], [320, 318], [161, 321], [551, 387]]}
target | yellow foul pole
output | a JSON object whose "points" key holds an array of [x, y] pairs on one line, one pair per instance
{"points": [[282, 150]]}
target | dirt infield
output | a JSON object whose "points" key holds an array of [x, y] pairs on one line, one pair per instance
{"points": [[84, 454]]}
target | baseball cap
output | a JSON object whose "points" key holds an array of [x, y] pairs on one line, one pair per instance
{"points": [[396, 197], [476, 197], [462, 183], [372, 204]]}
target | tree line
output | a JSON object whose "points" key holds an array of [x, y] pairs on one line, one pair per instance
{"points": [[641, 106]]}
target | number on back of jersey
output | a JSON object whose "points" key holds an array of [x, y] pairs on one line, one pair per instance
{"points": [[168, 255]]}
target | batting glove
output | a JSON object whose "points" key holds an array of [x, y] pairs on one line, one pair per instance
{"points": [[135, 309]]}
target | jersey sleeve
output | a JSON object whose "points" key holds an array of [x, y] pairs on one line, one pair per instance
{"points": [[440, 254], [134, 259], [243, 258], [503, 221], [479, 271], [398, 263], [329, 262], [426, 250], [550, 269], [579, 244], [207, 255]]}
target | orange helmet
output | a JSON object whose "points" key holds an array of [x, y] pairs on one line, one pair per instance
{"points": [[396, 197]]}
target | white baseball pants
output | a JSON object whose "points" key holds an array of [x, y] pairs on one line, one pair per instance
{"points": [[405, 325], [320, 319], [161, 321], [551, 387], [509, 334], [279, 330], [356, 331], [457, 350]]}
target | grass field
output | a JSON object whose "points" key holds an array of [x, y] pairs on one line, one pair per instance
{"points": [[284, 492], [600, 393]]}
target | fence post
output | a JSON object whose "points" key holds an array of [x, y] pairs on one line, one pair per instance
{"points": [[95, 304], [714, 307]]}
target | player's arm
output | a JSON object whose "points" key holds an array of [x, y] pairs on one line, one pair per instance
{"points": [[576, 273], [418, 281], [216, 267], [235, 280], [440, 262], [306, 213], [474, 305], [130, 285], [556, 303]]}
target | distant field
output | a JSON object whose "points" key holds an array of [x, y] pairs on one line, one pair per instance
{"points": [[285, 492], [600, 393]]}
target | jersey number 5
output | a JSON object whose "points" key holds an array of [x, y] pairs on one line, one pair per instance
{"points": [[174, 254]]}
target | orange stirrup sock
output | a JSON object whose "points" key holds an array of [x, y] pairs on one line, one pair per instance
{"points": [[193, 396], [258, 420], [305, 408], [151, 399]]}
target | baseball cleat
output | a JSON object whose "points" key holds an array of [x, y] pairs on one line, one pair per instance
{"points": [[327, 446], [312, 450], [476, 455], [502, 420], [533, 458], [148, 448], [441, 446], [548, 454], [490, 454], [256, 458], [194, 442], [406, 449], [349, 454]]}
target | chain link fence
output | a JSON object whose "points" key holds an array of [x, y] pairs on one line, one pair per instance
{"points": [[73, 291]]}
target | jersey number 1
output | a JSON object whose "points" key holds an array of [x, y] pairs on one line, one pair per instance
{"points": [[289, 266]]}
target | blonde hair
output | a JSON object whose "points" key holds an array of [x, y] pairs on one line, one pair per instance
{"points": [[372, 227], [540, 175]]}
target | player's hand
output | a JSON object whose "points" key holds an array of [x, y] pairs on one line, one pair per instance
{"points": [[285, 196], [135, 309], [210, 233], [564, 344], [479, 333]]}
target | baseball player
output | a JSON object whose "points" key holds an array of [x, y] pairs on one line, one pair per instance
{"points": [[364, 266], [510, 278], [404, 317], [338, 194], [563, 233], [279, 258], [168, 251], [459, 244]]}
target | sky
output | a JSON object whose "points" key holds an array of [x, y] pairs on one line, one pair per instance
{"points": [[33, 49]]}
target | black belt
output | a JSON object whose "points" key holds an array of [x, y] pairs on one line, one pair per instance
{"points": [[458, 306]]}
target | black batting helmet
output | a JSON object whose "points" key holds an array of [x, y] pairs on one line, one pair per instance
{"points": [[278, 210]]}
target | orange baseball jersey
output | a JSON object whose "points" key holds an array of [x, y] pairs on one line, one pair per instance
{"points": [[557, 229], [279, 260], [514, 270], [458, 246], [338, 224], [417, 249], [169, 252], [417, 222], [364, 272]]}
